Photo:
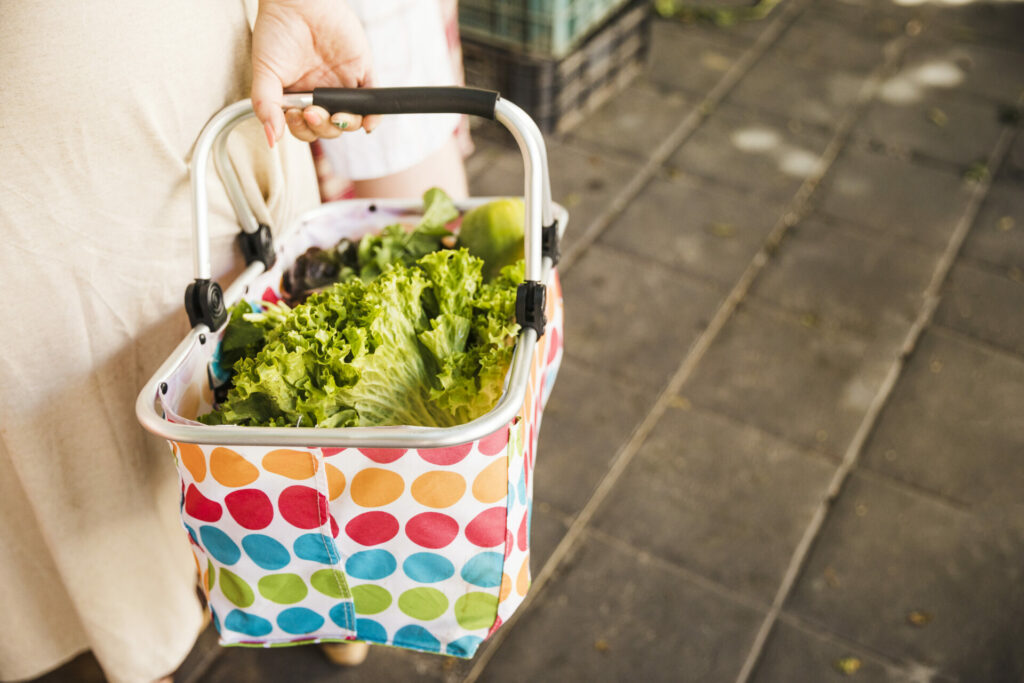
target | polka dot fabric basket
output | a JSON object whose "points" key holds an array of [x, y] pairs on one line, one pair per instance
{"points": [[416, 538]]}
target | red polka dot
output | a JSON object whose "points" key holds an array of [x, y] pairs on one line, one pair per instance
{"points": [[372, 528], [487, 529], [199, 506], [302, 506], [495, 443], [383, 455], [553, 344], [446, 456], [509, 543], [251, 508], [432, 529], [270, 296], [334, 527], [495, 627], [522, 535], [328, 452]]}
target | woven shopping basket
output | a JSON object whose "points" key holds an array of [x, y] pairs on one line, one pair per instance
{"points": [[411, 536]]}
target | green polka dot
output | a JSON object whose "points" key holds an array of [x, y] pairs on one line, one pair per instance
{"points": [[211, 576], [284, 589], [423, 603], [370, 599], [476, 610], [330, 582], [235, 589]]}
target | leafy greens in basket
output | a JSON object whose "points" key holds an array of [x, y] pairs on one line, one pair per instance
{"points": [[422, 344]]}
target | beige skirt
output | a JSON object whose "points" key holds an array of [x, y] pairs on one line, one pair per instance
{"points": [[101, 104]]}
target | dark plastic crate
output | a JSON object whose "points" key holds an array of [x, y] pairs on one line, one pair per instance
{"points": [[557, 93]]}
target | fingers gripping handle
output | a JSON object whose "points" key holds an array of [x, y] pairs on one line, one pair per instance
{"points": [[423, 100]]}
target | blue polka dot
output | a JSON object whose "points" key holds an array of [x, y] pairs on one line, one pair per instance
{"points": [[299, 620], [315, 548], [483, 570], [464, 646], [371, 565], [428, 567], [192, 533], [418, 638], [249, 624], [343, 614], [368, 629], [522, 486], [266, 552], [220, 545]]}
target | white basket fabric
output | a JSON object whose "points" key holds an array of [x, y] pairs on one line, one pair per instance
{"points": [[421, 548]]}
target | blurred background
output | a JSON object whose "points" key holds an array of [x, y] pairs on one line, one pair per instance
{"points": [[787, 440]]}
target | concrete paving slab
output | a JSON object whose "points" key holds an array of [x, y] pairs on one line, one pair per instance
{"points": [[997, 236], [985, 305], [308, 664], [693, 226], [635, 122], [806, 383], [612, 615], [820, 42], [631, 318], [814, 96], [872, 20], [793, 654], [983, 70], [688, 60], [912, 201], [719, 498], [944, 124], [911, 577], [589, 417], [839, 276], [583, 181], [984, 23], [954, 426], [752, 151]]}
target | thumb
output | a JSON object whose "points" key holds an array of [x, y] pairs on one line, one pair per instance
{"points": [[267, 97]]}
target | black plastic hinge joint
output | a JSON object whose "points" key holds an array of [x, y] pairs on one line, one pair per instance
{"points": [[258, 246], [549, 243], [531, 304], [204, 303]]}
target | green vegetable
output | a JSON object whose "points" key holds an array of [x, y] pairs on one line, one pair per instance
{"points": [[494, 232], [378, 253], [421, 344]]}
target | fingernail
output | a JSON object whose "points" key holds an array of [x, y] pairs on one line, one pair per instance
{"points": [[343, 124], [269, 130]]}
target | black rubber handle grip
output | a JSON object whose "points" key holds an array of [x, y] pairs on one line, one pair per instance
{"points": [[423, 100]]}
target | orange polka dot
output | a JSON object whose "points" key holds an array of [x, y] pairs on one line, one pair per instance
{"points": [[491, 485], [193, 459], [438, 489], [231, 469], [374, 487], [506, 587], [335, 480], [523, 580], [292, 464]]}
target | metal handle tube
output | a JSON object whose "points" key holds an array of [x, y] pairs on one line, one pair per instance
{"points": [[213, 141]]}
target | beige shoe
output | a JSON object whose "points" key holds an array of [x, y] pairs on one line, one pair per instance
{"points": [[346, 654]]}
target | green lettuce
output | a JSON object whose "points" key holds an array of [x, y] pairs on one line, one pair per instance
{"points": [[424, 343]]}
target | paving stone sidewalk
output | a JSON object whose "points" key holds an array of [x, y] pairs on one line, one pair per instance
{"points": [[787, 441]]}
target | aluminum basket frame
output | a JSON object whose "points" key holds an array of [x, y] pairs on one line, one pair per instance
{"points": [[540, 212]]}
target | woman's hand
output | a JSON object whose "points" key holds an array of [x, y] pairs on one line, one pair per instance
{"points": [[299, 45]]}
